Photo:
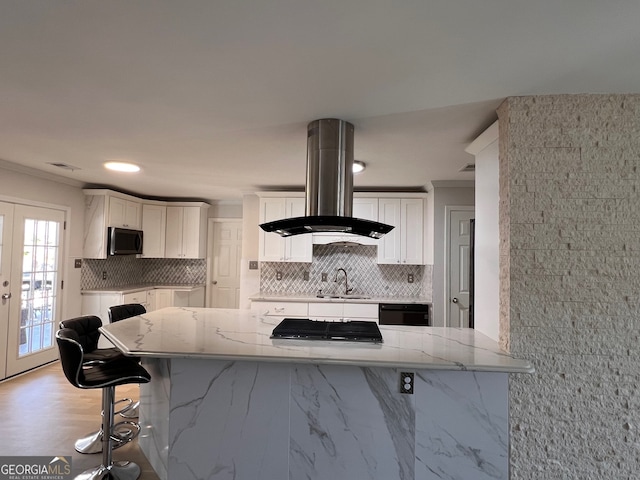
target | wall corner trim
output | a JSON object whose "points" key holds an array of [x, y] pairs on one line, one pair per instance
{"points": [[485, 139]]}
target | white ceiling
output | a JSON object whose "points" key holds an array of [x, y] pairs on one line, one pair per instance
{"points": [[212, 97]]}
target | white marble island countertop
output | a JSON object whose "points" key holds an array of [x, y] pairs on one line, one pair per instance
{"points": [[243, 335]]}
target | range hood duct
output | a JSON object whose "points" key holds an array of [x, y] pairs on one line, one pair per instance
{"points": [[329, 188]]}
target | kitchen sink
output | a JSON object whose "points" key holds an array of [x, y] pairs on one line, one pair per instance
{"points": [[354, 297]]}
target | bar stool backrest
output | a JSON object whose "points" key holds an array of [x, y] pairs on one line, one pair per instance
{"points": [[128, 310], [71, 356], [86, 327]]}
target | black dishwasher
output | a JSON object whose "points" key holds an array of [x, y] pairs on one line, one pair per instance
{"points": [[404, 314]]}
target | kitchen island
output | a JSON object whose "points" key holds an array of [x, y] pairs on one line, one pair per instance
{"points": [[226, 401]]}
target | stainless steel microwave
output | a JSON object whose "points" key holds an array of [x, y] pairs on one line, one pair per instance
{"points": [[122, 241]]}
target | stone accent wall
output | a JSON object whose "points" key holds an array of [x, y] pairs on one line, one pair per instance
{"points": [[570, 251]]}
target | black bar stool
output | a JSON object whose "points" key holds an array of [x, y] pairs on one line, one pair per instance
{"points": [[105, 376], [86, 328], [117, 313]]}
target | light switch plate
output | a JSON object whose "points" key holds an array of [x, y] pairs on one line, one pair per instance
{"points": [[77, 263], [253, 264]]}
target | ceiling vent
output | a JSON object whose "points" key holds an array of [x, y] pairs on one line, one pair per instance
{"points": [[64, 166]]}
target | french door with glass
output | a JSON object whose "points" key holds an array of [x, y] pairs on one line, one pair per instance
{"points": [[30, 281]]}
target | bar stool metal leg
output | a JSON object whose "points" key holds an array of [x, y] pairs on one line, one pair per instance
{"points": [[122, 432], [110, 470]]}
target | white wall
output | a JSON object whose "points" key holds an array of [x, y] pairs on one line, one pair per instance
{"points": [[249, 279], [20, 185], [225, 210], [487, 234], [444, 194]]}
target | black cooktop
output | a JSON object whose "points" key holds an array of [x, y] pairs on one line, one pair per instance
{"points": [[304, 328]]}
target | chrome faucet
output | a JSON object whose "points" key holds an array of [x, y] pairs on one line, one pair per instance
{"points": [[347, 290]]}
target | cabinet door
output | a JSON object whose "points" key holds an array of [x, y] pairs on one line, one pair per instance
{"points": [[412, 231], [298, 248], [326, 311], [272, 245], [191, 232], [151, 300], [154, 221], [95, 227], [164, 298], [281, 309], [136, 297], [365, 208], [361, 311], [173, 238], [124, 213], [389, 212]]}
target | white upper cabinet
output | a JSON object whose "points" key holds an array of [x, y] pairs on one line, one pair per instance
{"points": [[273, 247], [365, 208], [103, 209], [125, 213], [184, 237], [405, 243], [186, 231], [154, 226]]}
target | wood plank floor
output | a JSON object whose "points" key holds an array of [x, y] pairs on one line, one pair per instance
{"points": [[43, 414]]}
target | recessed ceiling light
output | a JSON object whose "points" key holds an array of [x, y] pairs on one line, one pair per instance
{"points": [[122, 167], [358, 166]]}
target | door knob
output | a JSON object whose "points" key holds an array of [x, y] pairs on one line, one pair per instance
{"points": [[454, 300], [6, 296]]}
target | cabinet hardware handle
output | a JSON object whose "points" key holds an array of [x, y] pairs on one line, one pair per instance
{"points": [[454, 300], [6, 296]]}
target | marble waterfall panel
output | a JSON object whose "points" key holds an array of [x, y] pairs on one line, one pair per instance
{"points": [[154, 396], [350, 422], [229, 420], [461, 425]]}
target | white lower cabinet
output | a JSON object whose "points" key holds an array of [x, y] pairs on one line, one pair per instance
{"points": [[98, 303], [343, 311], [282, 309], [334, 311]]}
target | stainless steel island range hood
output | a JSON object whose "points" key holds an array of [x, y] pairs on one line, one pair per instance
{"points": [[329, 188]]}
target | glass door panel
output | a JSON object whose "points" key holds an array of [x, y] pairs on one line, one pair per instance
{"points": [[37, 242]]}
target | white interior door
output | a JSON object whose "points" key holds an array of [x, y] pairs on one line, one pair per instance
{"points": [[6, 228], [34, 306], [459, 263], [225, 275]]}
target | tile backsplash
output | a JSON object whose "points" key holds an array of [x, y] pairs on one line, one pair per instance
{"points": [[365, 276], [129, 270]]}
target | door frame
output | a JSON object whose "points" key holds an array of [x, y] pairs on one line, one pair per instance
{"points": [[448, 209], [64, 253], [210, 266]]}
